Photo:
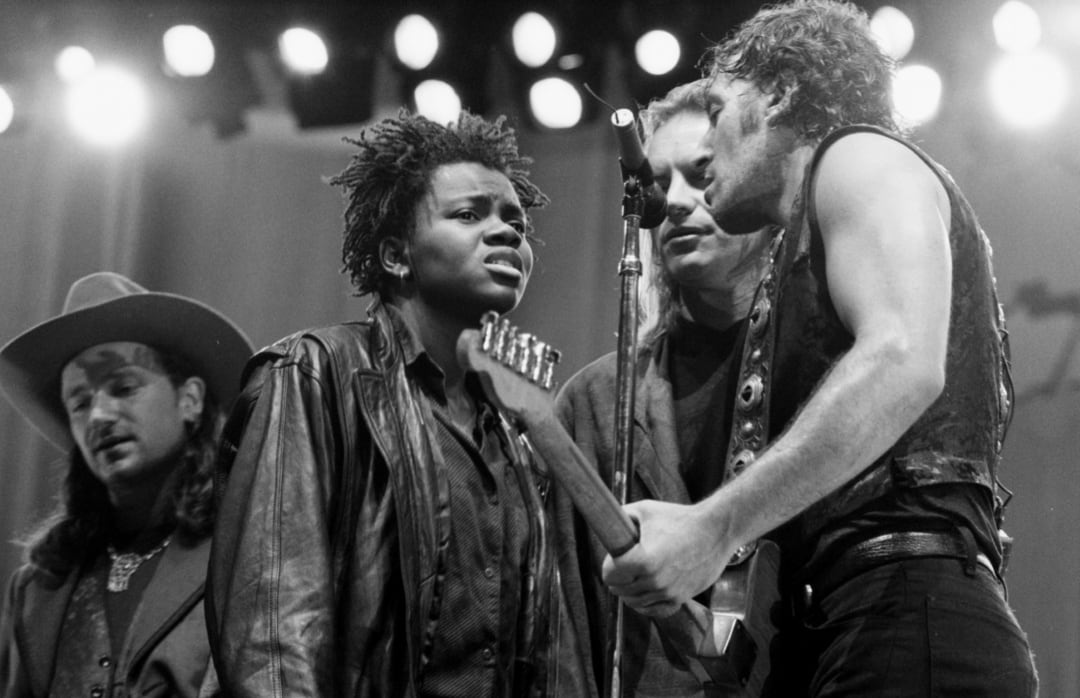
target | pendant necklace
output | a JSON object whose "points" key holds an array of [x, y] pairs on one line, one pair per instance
{"points": [[123, 565]]}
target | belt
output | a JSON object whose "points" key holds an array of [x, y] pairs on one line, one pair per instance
{"points": [[889, 547]]}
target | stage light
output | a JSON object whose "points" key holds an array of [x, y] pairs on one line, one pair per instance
{"points": [[188, 50], [533, 39], [657, 52], [208, 78], [1029, 90], [7, 110], [1017, 27], [437, 100], [108, 107], [416, 42], [74, 63], [893, 30], [443, 59], [550, 93], [343, 92], [555, 103], [916, 93], [676, 41], [303, 51]]}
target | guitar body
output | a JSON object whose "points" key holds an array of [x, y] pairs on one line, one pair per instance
{"points": [[725, 644], [730, 655]]}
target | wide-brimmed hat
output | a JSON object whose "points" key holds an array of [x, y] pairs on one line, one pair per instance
{"points": [[108, 307]]}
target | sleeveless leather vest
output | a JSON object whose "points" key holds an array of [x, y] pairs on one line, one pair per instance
{"points": [[959, 437]]}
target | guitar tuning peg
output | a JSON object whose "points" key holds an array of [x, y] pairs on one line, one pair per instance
{"points": [[522, 359], [552, 356], [510, 345], [537, 353], [513, 349], [488, 324], [503, 339]]}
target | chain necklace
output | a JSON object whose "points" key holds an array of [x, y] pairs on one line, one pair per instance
{"points": [[123, 565]]}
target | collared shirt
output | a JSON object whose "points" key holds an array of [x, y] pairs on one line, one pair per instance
{"points": [[476, 638]]}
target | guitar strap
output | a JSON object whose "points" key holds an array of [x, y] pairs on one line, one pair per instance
{"points": [[744, 660], [749, 432]]}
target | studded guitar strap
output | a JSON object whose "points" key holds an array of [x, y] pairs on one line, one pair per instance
{"points": [[750, 419]]}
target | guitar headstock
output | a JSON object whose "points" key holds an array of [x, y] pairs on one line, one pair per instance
{"points": [[515, 368]]}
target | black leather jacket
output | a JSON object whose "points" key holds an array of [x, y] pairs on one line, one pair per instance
{"points": [[331, 541]]}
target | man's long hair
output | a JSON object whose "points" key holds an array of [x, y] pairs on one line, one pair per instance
{"points": [[660, 297], [80, 527], [391, 174], [821, 51]]}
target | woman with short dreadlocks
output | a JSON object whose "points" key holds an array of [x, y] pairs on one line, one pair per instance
{"points": [[383, 532]]}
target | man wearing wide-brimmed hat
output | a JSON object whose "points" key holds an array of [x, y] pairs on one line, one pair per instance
{"points": [[132, 384]]}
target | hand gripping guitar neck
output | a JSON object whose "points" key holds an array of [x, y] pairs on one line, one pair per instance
{"points": [[724, 644]]}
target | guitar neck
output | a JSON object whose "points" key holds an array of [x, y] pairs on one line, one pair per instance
{"points": [[579, 478], [715, 646], [514, 370]]}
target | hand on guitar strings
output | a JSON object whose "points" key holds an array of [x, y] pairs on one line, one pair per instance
{"points": [[677, 557]]}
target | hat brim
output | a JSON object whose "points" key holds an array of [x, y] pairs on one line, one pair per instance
{"points": [[31, 364]]}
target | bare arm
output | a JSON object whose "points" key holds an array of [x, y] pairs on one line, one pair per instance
{"points": [[884, 223]]}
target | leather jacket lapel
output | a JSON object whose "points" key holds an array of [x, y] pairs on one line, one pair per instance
{"points": [[400, 427], [39, 628], [176, 586]]}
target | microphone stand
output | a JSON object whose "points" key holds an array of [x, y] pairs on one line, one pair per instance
{"points": [[633, 206]]}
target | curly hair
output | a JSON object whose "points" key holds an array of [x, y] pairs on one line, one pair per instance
{"points": [[820, 50], [81, 526], [391, 174]]}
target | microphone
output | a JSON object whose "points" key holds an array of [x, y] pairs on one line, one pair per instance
{"points": [[633, 160]]}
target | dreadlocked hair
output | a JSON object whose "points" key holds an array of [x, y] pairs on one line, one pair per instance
{"points": [[387, 179], [80, 527], [820, 50]]}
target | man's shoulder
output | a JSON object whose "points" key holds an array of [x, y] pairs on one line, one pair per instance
{"points": [[859, 151], [602, 370], [28, 578], [599, 370], [592, 385], [20, 578]]}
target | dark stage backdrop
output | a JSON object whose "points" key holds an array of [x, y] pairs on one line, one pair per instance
{"points": [[248, 226]]}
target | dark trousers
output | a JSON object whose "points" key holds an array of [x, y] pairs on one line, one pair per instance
{"points": [[919, 627]]}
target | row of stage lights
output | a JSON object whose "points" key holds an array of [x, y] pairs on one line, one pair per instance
{"points": [[1027, 84], [107, 103]]}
